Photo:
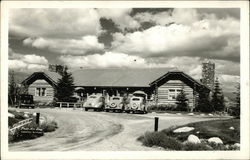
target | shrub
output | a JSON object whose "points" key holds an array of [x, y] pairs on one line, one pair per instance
{"points": [[216, 146], [49, 127], [196, 147], [160, 139]]}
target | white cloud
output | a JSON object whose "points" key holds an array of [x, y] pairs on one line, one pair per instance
{"points": [[184, 16], [54, 22], [26, 63], [120, 16], [205, 38], [109, 59], [66, 46]]}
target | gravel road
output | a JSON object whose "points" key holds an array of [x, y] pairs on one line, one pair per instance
{"points": [[98, 131]]}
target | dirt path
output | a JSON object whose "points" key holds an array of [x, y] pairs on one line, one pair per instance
{"points": [[98, 131]]}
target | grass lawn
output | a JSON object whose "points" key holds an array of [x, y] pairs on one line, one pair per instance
{"points": [[169, 140], [208, 129]]}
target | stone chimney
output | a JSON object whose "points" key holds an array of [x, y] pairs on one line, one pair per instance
{"points": [[208, 73]]}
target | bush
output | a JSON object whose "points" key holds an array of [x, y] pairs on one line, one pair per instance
{"points": [[162, 107], [196, 147], [49, 127], [160, 139]]}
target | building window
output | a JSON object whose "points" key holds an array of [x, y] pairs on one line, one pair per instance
{"points": [[173, 93], [41, 92]]}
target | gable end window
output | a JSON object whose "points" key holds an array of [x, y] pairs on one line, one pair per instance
{"points": [[41, 92]]}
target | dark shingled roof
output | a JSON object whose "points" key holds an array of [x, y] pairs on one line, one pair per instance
{"points": [[118, 77], [115, 77]]}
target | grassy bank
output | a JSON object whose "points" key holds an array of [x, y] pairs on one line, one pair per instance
{"points": [[169, 140], [44, 126]]}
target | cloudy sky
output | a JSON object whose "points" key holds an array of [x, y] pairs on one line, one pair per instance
{"points": [[127, 37]]}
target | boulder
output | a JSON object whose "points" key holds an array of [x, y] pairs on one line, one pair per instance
{"points": [[202, 114], [190, 114], [26, 115], [11, 115], [34, 114], [237, 145], [210, 114], [232, 128], [216, 140], [193, 139], [183, 129]]}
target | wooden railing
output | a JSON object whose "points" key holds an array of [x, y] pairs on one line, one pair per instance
{"points": [[70, 104], [20, 124]]}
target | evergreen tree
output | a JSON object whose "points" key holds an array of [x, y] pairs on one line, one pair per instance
{"points": [[12, 88], [218, 97], [236, 109], [204, 104], [65, 88], [182, 101]]}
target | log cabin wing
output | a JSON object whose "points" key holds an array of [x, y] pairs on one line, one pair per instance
{"points": [[42, 86], [168, 86]]}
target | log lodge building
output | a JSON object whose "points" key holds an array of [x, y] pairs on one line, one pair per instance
{"points": [[162, 85]]}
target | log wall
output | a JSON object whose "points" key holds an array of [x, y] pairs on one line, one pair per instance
{"points": [[163, 92], [40, 83]]}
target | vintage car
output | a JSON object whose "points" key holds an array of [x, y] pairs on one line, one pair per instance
{"points": [[95, 102], [25, 101], [115, 104], [137, 103]]}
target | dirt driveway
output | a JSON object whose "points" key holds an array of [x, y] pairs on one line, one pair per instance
{"points": [[98, 131]]}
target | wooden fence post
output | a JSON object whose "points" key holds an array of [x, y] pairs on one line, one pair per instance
{"points": [[37, 118], [156, 123]]}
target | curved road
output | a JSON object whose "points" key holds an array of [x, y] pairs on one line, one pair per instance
{"points": [[98, 131]]}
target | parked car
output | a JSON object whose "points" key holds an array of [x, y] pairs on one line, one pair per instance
{"points": [[25, 101], [115, 104], [137, 103], [96, 102]]}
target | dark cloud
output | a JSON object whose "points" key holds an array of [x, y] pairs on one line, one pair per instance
{"points": [[221, 12], [150, 10]]}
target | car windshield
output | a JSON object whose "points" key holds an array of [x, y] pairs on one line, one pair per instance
{"points": [[116, 98], [135, 99]]}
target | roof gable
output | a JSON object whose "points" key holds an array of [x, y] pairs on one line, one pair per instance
{"points": [[50, 77], [174, 75]]}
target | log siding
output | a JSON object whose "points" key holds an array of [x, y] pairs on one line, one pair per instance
{"points": [[49, 91]]}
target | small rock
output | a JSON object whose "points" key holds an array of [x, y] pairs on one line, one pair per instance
{"points": [[226, 146], [26, 115], [190, 114], [202, 114], [216, 140], [34, 114], [197, 132], [11, 115], [210, 114], [232, 128], [183, 129], [237, 145], [193, 139]]}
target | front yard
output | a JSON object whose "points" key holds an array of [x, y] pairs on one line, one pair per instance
{"points": [[199, 137]]}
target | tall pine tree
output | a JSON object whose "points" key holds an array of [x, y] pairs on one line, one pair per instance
{"points": [[204, 104], [236, 109], [182, 101], [65, 88], [218, 97], [12, 88]]}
